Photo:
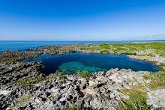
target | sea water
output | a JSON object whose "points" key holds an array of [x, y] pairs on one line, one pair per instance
{"points": [[23, 45], [70, 63]]}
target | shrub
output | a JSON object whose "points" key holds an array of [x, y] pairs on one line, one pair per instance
{"points": [[83, 74], [148, 77], [104, 51], [57, 74], [30, 81], [158, 80], [137, 99], [105, 46]]}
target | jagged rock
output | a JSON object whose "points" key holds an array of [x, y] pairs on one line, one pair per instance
{"points": [[100, 91]]}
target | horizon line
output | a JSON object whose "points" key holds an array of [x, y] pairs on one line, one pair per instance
{"points": [[81, 40]]}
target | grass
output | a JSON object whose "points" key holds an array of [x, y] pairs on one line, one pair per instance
{"points": [[137, 99], [14, 59], [30, 81], [133, 48], [148, 77], [104, 46], [104, 51], [14, 56], [60, 75], [57, 74], [157, 79], [83, 74]]}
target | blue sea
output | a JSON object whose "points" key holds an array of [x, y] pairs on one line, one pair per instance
{"points": [[70, 63], [23, 45]]}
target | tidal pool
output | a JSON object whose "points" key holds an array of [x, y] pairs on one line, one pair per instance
{"points": [[72, 62]]}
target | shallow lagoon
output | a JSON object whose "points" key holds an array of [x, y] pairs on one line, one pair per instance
{"points": [[73, 62]]}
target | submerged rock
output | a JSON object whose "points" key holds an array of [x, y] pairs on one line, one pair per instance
{"points": [[73, 67]]}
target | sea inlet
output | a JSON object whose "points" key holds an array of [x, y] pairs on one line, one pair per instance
{"points": [[70, 63]]}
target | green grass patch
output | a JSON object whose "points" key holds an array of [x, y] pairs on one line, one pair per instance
{"points": [[137, 99], [30, 81], [158, 80], [83, 74], [104, 51], [14, 59], [57, 74], [104, 46], [148, 76], [132, 48]]}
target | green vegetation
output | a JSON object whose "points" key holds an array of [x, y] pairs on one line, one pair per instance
{"points": [[57, 74], [30, 81], [14, 56], [83, 74], [14, 59], [158, 80], [104, 51], [148, 76], [147, 49], [60, 75], [104, 46], [137, 99]]}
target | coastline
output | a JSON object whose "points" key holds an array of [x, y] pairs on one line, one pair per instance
{"points": [[153, 57], [80, 90]]}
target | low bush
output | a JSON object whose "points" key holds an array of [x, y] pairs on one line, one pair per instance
{"points": [[137, 99], [83, 74]]}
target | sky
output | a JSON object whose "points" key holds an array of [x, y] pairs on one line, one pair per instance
{"points": [[83, 20]]}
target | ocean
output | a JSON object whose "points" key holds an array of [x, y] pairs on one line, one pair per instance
{"points": [[23, 45]]}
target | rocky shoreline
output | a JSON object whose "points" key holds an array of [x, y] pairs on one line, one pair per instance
{"points": [[9, 74], [99, 91], [90, 48], [23, 86], [157, 60]]}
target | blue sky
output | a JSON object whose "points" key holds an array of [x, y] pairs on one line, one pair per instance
{"points": [[82, 20]]}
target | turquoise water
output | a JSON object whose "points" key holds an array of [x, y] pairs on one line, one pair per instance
{"points": [[23, 45], [73, 62]]}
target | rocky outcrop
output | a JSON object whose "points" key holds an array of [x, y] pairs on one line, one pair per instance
{"points": [[14, 56], [156, 98], [66, 48], [158, 60], [100, 91], [14, 71], [9, 74]]}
